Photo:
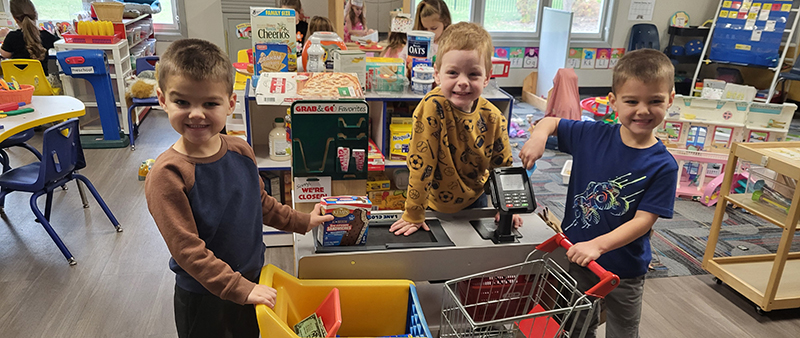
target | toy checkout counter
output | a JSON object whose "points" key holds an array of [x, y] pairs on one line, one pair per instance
{"points": [[329, 138]]}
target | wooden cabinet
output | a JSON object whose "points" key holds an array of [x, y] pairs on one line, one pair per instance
{"points": [[771, 281]]}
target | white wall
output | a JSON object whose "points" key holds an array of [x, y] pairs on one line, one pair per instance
{"points": [[699, 11], [204, 21]]}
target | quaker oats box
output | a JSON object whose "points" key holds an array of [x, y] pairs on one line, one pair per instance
{"points": [[350, 223], [275, 25]]}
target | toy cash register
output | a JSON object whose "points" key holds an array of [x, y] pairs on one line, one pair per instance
{"points": [[511, 194]]}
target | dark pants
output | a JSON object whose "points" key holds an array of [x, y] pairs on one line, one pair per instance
{"points": [[481, 202], [206, 315]]}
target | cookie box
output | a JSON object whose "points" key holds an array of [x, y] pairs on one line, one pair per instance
{"points": [[350, 223]]}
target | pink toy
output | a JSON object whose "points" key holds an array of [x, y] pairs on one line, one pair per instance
{"points": [[711, 192]]}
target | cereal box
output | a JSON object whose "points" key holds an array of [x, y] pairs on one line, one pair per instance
{"points": [[350, 223], [271, 58], [275, 25]]}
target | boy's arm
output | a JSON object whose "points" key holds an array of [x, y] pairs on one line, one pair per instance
{"points": [[584, 252], [169, 205], [504, 158], [534, 147], [422, 158]]}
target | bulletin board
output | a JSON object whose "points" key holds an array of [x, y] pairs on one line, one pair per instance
{"points": [[749, 32]]}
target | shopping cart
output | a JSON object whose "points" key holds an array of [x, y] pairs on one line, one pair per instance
{"points": [[536, 298]]}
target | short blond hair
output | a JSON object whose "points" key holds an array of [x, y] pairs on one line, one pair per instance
{"points": [[645, 65], [195, 59], [466, 36]]}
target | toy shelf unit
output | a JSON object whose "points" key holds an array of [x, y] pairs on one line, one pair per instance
{"points": [[699, 133], [121, 60], [694, 38], [771, 281], [750, 34]]}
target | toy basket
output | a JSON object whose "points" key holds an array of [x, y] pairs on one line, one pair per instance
{"points": [[93, 39], [22, 95], [369, 308], [108, 11]]}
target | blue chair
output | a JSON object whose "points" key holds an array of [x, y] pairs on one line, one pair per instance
{"points": [[63, 155], [142, 64], [644, 35], [17, 140]]}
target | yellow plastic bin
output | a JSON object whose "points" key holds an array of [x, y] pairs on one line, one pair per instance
{"points": [[370, 308]]}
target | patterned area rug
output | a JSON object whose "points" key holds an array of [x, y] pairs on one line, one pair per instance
{"points": [[679, 243]]}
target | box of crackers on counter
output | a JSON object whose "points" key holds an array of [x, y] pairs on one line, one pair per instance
{"points": [[350, 223], [284, 88], [271, 58]]}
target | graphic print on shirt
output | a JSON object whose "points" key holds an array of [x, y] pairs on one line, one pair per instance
{"points": [[603, 196]]}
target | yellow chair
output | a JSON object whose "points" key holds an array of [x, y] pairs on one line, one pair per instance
{"points": [[240, 80], [30, 72]]}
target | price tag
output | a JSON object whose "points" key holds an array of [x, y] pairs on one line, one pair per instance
{"points": [[756, 36], [770, 26]]}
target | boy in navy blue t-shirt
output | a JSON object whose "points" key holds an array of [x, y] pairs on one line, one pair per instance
{"points": [[623, 179]]}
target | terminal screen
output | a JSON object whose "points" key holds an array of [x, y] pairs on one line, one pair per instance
{"points": [[511, 182]]}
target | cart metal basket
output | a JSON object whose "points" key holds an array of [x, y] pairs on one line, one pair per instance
{"points": [[535, 298]]}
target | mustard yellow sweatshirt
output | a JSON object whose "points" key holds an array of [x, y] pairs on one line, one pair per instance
{"points": [[450, 153]]}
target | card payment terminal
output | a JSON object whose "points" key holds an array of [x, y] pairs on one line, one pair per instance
{"points": [[511, 193]]}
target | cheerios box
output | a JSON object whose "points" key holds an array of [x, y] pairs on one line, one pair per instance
{"points": [[350, 223]]}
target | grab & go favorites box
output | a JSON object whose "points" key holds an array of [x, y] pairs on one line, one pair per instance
{"points": [[350, 222], [275, 25]]}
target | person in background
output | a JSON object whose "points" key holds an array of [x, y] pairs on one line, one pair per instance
{"points": [[355, 22], [28, 42], [208, 200], [395, 46], [432, 16], [563, 100], [301, 25], [319, 24]]}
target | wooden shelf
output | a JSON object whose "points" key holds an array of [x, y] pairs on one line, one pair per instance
{"points": [[265, 163], [768, 213], [750, 276]]}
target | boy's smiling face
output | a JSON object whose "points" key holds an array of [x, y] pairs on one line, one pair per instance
{"points": [[462, 77], [641, 107]]}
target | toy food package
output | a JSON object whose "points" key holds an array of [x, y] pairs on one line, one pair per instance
{"points": [[351, 61], [271, 58], [401, 137], [388, 200], [377, 181], [275, 25], [285, 88], [384, 67], [350, 223], [375, 159]]}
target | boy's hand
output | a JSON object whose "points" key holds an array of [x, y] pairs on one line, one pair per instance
{"points": [[407, 228], [584, 252], [516, 220], [532, 150], [317, 217], [262, 294]]}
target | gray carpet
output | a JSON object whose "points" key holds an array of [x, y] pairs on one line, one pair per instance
{"points": [[679, 243]]}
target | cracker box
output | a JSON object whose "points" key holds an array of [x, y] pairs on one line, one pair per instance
{"points": [[271, 58], [350, 223], [275, 25], [351, 61]]}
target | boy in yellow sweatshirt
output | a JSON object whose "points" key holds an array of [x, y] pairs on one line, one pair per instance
{"points": [[457, 135]]}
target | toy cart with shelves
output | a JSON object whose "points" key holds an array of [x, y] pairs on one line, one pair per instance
{"points": [[771, 281]]}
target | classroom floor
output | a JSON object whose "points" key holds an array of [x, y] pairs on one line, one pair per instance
{"points": [[122, 286]]}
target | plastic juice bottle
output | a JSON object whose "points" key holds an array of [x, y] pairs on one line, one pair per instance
{"points": [[316, 56], [279, 148]]}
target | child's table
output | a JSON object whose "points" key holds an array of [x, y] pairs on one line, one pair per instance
{"points": [[46, 109]]}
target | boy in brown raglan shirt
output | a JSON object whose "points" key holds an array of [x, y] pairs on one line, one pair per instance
{"points": [[208, 200], [457, 135]]}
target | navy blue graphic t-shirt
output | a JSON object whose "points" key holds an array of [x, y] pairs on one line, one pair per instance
{"points": [[608, 184]]}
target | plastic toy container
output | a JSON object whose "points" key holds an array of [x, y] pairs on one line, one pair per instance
{"points": [[369, 308], [566, 171], [770, 188], [22, 95], [93, 39]]}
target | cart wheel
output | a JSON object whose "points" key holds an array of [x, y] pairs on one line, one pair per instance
{"points": [[717, 280], [760, 311]]}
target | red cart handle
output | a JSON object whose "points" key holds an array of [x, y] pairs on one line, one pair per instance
{"points": [[608, 280]]}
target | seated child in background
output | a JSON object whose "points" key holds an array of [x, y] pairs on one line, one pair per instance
{"points": [[355, 22], [301, 26], [28, 42], [433, 16], [318, 24], [623, 179], [457, 135], [395, 46], [208, 200]]}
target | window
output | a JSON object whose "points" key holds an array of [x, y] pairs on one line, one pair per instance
{"points": [[518, 20], [168, 19], [58, 9]]}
